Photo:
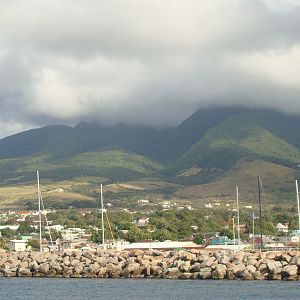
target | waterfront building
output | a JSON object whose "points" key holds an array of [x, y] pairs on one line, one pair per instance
{"points": [[17, 245]]}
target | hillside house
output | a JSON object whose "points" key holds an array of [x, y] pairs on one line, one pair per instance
{"points": [[143, 201], [142, 221], [72, 233], [282, 228]]}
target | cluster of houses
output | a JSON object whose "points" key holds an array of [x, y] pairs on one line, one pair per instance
{"points": [[165, 205], [71, 238], [284, 239], [78, 238], [20, 216]]}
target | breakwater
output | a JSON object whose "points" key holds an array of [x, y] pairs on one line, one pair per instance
{"points": [[182, 264]]}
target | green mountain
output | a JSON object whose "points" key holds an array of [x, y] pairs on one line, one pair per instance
{"points": [[240, 136], [31, 141], [202, 151], [113, 164]]}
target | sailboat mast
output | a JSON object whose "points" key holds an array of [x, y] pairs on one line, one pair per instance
{"points": [[102, 216], [40, 212], [298, 205], [238, 216], [260, 212], [233, 230]]}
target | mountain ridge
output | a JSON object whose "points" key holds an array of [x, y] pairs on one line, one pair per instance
{"points": [[203, 148]]}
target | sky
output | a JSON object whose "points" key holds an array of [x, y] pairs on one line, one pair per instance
{"points": [[148, 62]]}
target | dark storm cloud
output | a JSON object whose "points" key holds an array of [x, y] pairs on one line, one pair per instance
{"points": [[141, 61]]}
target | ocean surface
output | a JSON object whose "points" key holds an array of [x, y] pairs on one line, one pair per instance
{"points": [[73, 289]]}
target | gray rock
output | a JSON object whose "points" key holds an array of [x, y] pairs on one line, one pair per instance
{"points": [[185, 275], [156, 271], [289, 271], [195, 268], [205, 273], [44, 268], [219, 272], [172, 273], [88, 255]]}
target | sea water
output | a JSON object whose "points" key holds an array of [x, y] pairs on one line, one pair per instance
{"points": [[73, 289]]}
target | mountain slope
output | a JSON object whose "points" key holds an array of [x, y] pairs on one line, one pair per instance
{"points": [[114, 165], [222, 146], [204, 147], [278, 183], [164, 145], [30, 142]]}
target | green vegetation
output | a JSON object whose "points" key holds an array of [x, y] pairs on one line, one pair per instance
{"points": [[224, 145], [210, 152]]}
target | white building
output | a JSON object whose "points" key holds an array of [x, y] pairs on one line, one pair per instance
{"points": [[295, 232], [57, 227], [288, 239], [166, 245], [12, 227], [143, 221], [17, 245], [143, 201], [188, 207], [282, 228], [72, 233]]}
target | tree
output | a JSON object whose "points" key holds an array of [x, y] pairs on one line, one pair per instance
{"points": [[198, 240], [8, 233], [269, 228], [96, 237], [25, 228], [293, 223], [34, 244], [4, 244], [227, 232], [162, 235]]}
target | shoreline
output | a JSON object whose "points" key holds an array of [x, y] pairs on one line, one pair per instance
{"points": [[181, 264]]}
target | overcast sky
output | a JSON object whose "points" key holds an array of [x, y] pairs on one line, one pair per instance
{"points": [[149, 62]]}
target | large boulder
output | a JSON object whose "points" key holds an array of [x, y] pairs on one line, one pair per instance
{"points": [[136, 252], [185, 275], [219, 272], [289, 272], [88, 255], [156, 271], [205, 273], [44, 268], [172, 273], [195, 268]]}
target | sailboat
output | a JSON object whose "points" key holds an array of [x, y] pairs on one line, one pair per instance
{"points": [[298, 208], [41, 209], [116, 245], [223, 242]]}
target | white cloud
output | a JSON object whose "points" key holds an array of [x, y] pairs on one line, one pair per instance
{"points": [[278, 66], [141, 61]]}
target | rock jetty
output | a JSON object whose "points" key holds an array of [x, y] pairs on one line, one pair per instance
{"points": [[182, 264]]}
